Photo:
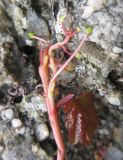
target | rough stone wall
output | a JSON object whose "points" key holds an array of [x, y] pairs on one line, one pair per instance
{"points": [[99, 69], [106, 18]]}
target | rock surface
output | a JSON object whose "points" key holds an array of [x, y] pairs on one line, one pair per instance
{"points": [[16, 123], [25, 133], [113, 153], [41, 132]]}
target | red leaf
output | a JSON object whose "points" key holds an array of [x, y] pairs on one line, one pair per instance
{"points": [[64, 100], [81, 119]]}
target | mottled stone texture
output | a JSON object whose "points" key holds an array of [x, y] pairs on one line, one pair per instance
{"points": [[105, 16], [98, 68]]}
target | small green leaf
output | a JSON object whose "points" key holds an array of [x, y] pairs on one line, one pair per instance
{"points": [[62, 18], [89, 30], [31, 35], [78, 56]]}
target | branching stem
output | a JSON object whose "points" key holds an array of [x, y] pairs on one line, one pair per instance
{"points": [[68, 61], [47, 63]]}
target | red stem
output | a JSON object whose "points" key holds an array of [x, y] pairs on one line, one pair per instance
{"points": [[68, 61], [53, 113], [49, 86], [59, 44], [66, 51], [40, 39], [44, 72], [54, 121]]}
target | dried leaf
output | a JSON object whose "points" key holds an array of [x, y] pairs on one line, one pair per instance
{"points": [[81, 119]]}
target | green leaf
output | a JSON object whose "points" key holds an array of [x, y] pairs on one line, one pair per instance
{"points": [[89, 30], [31, 35], [78, 56], [62, 18]]}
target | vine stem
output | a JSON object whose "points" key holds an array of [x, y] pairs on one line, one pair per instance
{"points": [[44, 72], [70, 58], [49, 86], [39, 39], [53, 114]]}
